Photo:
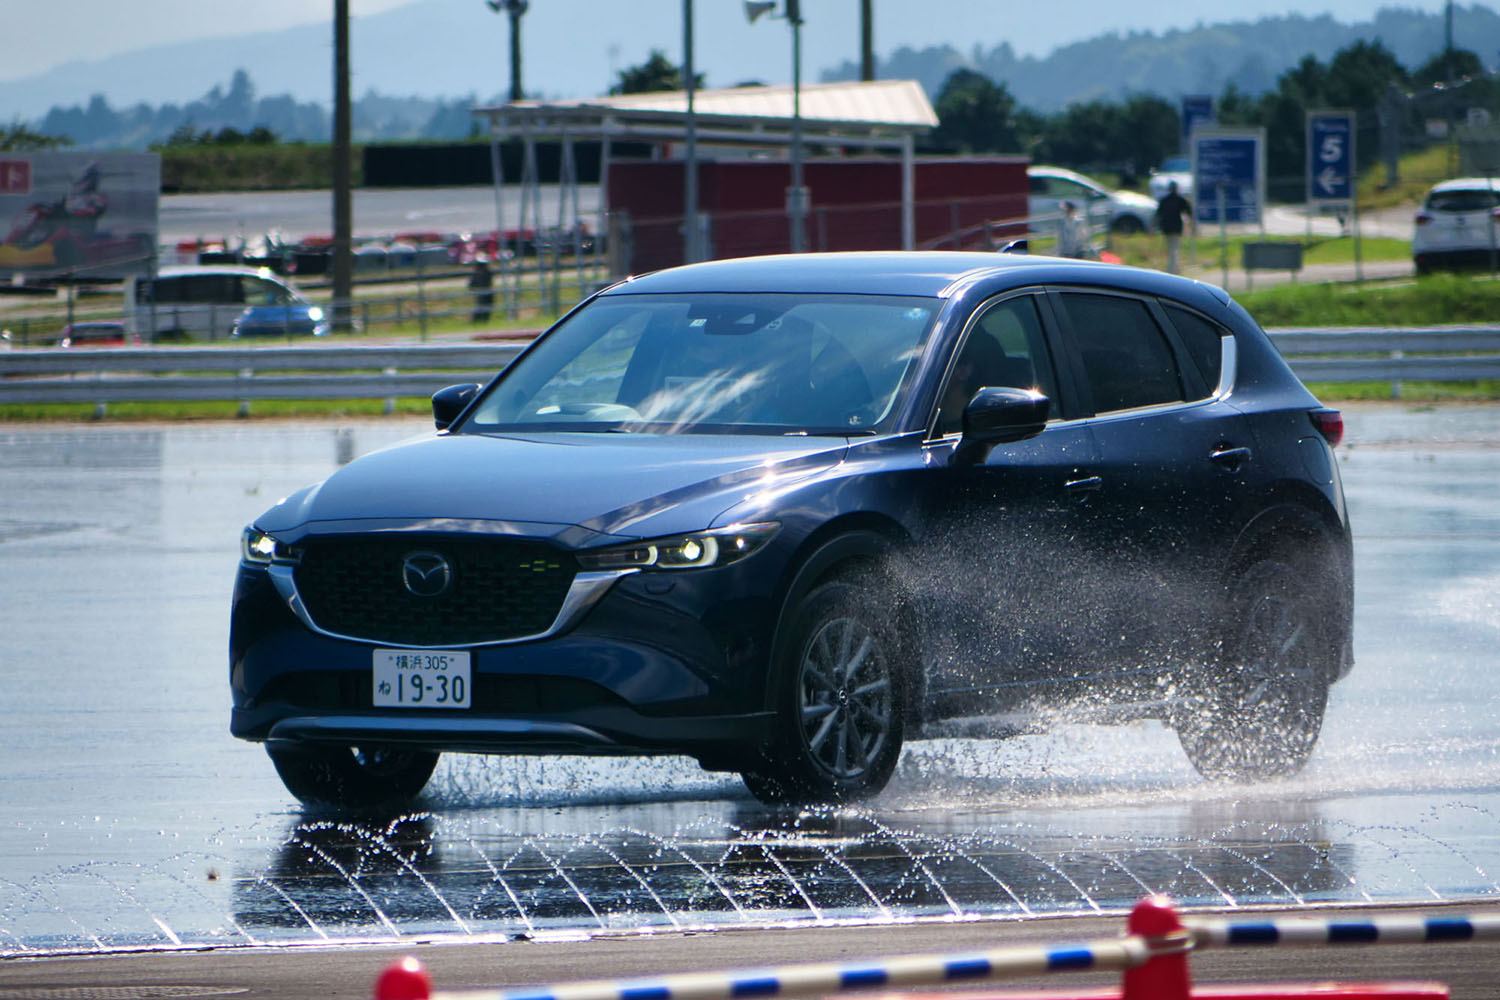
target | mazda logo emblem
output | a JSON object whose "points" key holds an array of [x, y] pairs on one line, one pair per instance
{"points": [[426, 574]]}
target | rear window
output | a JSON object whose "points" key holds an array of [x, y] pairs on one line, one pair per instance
{"points": [[1468, 200]]}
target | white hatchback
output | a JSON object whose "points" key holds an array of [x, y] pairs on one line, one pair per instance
{"points": [[1458, 225]]}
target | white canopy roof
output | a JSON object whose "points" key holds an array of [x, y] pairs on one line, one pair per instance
{"points": [[871, 113]]}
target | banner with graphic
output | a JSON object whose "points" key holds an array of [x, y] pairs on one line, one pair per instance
{"points": [[75, 214]]}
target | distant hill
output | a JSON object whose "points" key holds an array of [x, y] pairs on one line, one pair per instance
{"points": [[1200, 61], [292, 66]]}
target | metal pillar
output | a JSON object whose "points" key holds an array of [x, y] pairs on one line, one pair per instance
{"points": [[691, 242], [797, 200], [908, 192]]}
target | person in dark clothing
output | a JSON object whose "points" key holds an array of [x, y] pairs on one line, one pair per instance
{"points": [[482, 284], [1170, 212]]}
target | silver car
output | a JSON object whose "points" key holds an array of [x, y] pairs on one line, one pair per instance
{"points": [[1118, 211]]}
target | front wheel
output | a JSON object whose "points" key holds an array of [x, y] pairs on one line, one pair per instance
{"points": [[841, 702], [1257, 711], [353, 777]]}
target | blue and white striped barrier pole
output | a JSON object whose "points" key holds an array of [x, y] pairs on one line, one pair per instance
{"points": [[826, 979], [1394, 929], [1154, 955]]}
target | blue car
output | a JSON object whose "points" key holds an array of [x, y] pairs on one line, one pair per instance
{"points": [[295, 320], [784, 514]]}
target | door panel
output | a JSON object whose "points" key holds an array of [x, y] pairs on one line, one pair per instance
{"points": [[997, 567], [1173, 461]]}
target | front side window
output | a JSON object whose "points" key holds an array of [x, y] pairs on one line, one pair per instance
{"points": [[1005, 348], [1127, 360], [717, 363], [260, 292]]}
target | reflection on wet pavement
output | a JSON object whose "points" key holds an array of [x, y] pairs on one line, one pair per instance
{"points": [[131, 819]]}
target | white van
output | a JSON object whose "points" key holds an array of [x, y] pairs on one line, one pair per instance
{"points": [[200, 301]]}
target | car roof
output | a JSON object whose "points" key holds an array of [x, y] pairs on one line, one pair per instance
{"points": [[1466, 184], [1072, 175], [928, 273], [180, 270]]}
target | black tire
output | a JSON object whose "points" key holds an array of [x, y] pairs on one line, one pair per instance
{"points": [[841, 700], [1256, 711], [1127, 225], [353, 777]]}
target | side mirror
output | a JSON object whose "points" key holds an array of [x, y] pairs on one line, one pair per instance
{"points": [[998, 415], [448, 403]]}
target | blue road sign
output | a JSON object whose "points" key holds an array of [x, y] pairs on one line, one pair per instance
{"points": [[1330, 156], [1228, 169], [1197, 111]]}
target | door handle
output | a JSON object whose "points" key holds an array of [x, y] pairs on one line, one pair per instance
{"points": [[1087, 484], [1230, 457]]}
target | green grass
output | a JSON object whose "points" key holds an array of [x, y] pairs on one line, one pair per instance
{"points": [[1151, 251], [1418, 171], [1430, 301], [1478, 391]]}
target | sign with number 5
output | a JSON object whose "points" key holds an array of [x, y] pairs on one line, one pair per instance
{"points": [[1330, 158]]}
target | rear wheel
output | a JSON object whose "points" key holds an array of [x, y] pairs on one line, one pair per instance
{"points": [[1257, 711], [353, 777], [1128, 225], [841, 706]]}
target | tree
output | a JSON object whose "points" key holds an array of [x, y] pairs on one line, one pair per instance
{"points": [[975, 115], [1438, 69], [18, 137], [1360, 73], [656, 74]]}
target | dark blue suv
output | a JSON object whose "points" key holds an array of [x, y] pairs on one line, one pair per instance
{"points": [[783, 514]]}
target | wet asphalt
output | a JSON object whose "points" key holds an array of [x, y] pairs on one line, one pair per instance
{"points": [[130, 820]]}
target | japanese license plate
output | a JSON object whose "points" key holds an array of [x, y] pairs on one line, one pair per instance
{"points": [[412, 678]]}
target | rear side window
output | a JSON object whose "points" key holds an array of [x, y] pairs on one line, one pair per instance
{"points": [[201, 289], [1127, 360], [1471, 200], [1203, 339]]}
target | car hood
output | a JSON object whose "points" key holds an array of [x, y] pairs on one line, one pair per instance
{"points": [[632, 485], [1134, 199]]}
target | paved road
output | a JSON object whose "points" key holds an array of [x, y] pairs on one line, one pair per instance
{"points": [[1471, 969], [131, 821]]}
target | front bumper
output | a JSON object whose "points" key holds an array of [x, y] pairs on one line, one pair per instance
{"points": [[654, 665]]}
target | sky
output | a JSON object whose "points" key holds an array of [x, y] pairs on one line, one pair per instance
{"points": [[579, 45], [105, 27]]}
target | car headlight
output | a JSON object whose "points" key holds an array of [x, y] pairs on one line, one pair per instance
{"points": [[700, 550], [262, 549], [314, 314]]}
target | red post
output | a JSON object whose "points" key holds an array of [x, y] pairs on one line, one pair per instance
{"points": [[403, 980], [1164, 977]]}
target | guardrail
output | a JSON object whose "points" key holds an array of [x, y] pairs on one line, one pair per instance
{"points": [[245, 374], [1417, 354], [327, 371], [1153, 954]]}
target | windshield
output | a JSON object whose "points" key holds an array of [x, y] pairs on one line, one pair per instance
{"points": [[716, 363]]}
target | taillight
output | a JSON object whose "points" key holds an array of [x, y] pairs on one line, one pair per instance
{"points": [[1423, 218], [1329, 423]]}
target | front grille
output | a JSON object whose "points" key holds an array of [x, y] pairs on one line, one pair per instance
{"points": [[496, 589]]}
